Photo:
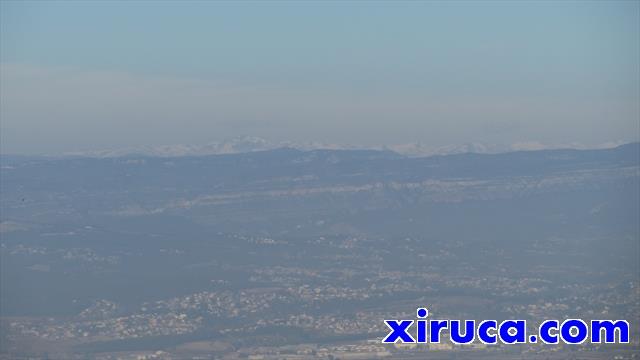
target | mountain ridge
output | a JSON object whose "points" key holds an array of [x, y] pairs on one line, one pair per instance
{"points": [[247, 144]]}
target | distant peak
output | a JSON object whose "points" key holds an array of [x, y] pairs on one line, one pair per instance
{"points": [[248, 143]]}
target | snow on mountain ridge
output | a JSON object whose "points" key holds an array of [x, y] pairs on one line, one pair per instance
{"points": [[252, 143]]}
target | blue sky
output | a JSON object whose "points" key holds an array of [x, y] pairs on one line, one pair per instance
{"points": [[86, 75]]}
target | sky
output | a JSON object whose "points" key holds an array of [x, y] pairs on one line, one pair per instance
{"points": [[108, 74]]}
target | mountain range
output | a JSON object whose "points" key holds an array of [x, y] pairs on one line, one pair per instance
{"points": [[245, 144]]}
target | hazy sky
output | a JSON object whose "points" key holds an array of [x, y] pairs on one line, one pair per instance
{"points": [[91, 75]]}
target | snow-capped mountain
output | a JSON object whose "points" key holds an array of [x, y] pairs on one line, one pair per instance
{"points": [[247, 144], [232, 146], [236, 145]]}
